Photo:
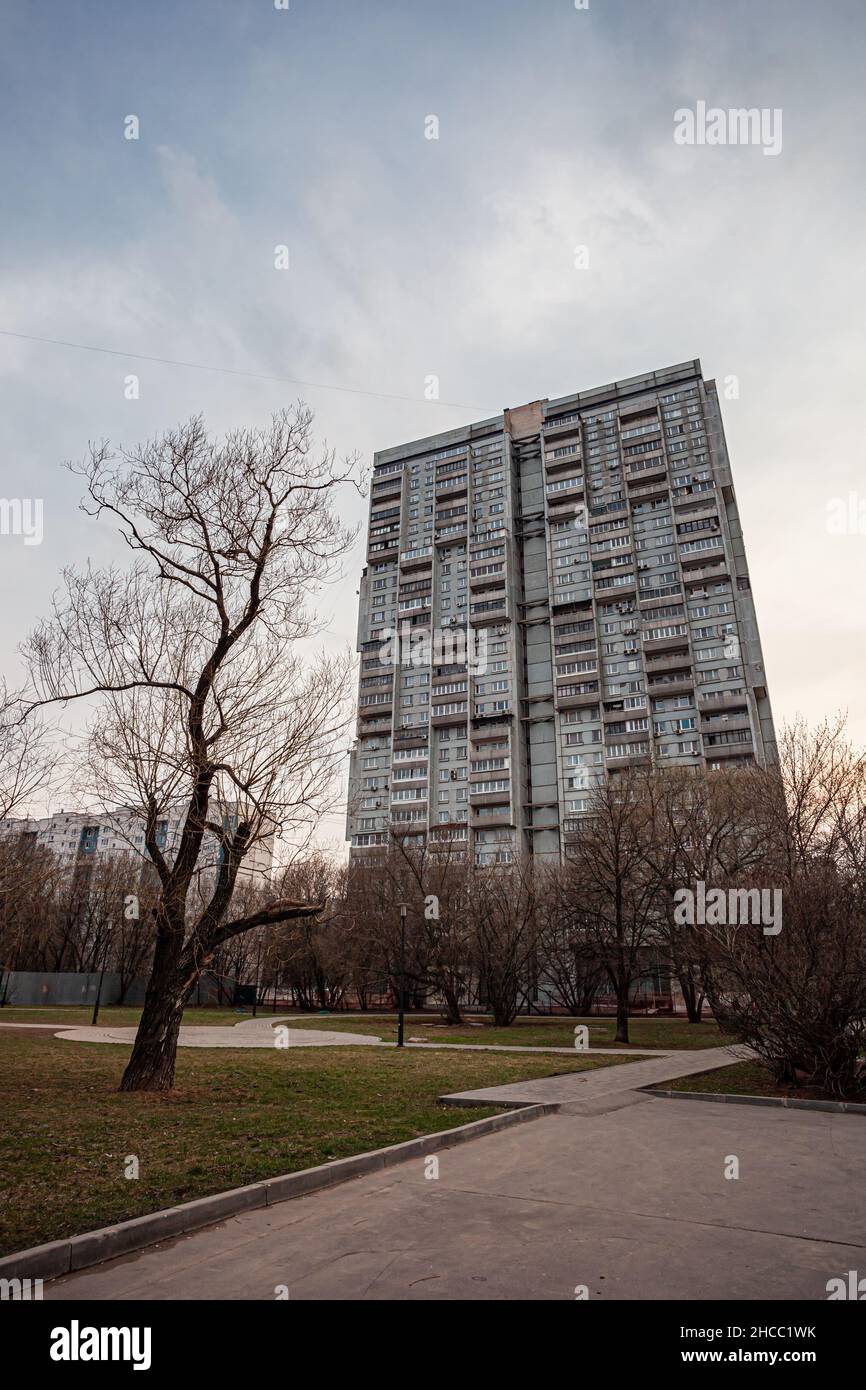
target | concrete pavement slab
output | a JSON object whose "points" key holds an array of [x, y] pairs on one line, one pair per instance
{"points": [[632, 1203]]}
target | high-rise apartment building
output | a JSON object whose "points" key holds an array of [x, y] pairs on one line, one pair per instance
{"points": [[550, 596]]}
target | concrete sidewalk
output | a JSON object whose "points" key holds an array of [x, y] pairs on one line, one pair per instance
{"points": [[630, 1201], [575, 1089]]}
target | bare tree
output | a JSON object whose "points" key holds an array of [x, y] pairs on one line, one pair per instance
{"points": [[29, 758], [206, 701], [367, 933], [308, 955], [29, 879], [504, 935], [432, 878], [612, 891], [706, 827], [798, 994], [568, 962]]}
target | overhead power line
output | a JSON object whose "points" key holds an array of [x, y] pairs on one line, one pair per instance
{"points": [[237, 371]]}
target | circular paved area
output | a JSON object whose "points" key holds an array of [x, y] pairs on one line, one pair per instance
{"points": [[252, 1032], [259, 1032]]}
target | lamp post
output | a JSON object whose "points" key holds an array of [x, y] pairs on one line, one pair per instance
{"points": [[258, 971], [98, 1000], [401, 1006]]}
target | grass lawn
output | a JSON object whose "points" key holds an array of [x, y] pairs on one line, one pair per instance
{"points": [[746, 1079], [233, 1118], [663, 1033]]}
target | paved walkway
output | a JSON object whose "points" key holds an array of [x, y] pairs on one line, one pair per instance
{"points": [[576, 1089], [621, 1193], [251, 1032], [258, 1032]]}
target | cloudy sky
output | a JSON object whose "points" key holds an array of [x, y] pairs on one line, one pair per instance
{"points": [[453, 257]]}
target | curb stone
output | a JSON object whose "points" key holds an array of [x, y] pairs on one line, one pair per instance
{"points": [[836, 1107], [59, 1257]]}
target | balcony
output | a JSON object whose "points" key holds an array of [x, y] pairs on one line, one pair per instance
{"points": [[628, 760], [674, 684], [567, 510], [709, 705], [563, 425], [646, 469], [504, 819], [690, 495], [655, 649], [729, 750], [612, 586], [419, 776], [578, 701], [494, 579], [385, 488], [382, 550], [570, 460], [648, 596], [610, 567], [382, 711], [700, 509], [415, 609], [421, 555], [568, 486], [493, 798], [675, 661], [490, 717], [444, 715], [451, 487], [736, 721], [719, 570], [658, 489], [614, 711], [577, 598], [491, 610], [490, 731], [416, 735]]}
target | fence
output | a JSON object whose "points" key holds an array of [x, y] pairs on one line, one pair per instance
{"points": [[60, 987], [54, 987]]}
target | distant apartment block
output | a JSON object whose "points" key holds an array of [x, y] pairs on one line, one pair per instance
{"points": [[570, 587], [79, 838]]}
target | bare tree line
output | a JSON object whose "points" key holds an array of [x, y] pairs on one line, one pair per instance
{"points": [[559, 933], [540, 934]]}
